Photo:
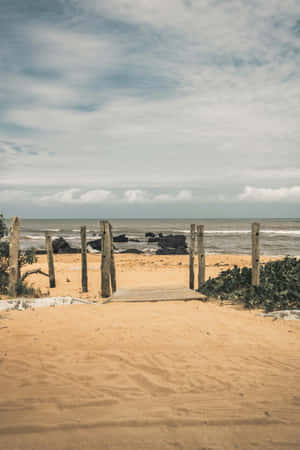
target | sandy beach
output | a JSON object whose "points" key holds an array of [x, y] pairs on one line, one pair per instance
{"points": [[170, 375], [133, 271]]}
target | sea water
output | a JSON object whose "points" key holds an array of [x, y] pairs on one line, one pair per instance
{"points": [[231, 236]]}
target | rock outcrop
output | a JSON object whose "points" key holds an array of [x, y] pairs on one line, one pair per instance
{"points": [[173, 244], [95, 244], [120, 238], [60, 245], [132, 250], [149, 234]]}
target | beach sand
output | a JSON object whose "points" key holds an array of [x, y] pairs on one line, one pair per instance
{"points": [[133, 271], [169, 375]]}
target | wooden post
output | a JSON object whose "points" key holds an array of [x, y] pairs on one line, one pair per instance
{"points": [[201, 255], [112, 263], [192, 252], [13, 256], [105, 259], [19, 267], [84, 276], [49, 248], [255, 254]]}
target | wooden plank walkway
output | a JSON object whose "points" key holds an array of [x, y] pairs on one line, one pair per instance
{"points": [[155, 295]]}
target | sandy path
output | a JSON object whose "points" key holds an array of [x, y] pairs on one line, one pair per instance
{"points": [[173, 375], [163, 375]]}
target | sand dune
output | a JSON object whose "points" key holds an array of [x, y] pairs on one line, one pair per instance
{"points": [[172, 375]]}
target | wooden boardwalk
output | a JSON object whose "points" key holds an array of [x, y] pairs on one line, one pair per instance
{"points": [[155, 295]]}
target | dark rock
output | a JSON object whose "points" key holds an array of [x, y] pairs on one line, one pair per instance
{"points": [[133, 240], [120, 238], [95, 245], [173, 241], [173, 244], [150, 234], [60, 245], [172, 251], [132, 250], [153, 239]]}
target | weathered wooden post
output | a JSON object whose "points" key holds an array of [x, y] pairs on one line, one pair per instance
{"points": [[201, 255], [13, 256], [105, 259], [192, 253], [49, 248], [112, 263], [255, 254], [84, 276]]}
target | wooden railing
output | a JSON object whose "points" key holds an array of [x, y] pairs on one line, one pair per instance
{"points": [[108, 268]]}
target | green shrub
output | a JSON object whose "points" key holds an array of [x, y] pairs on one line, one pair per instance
{"points": [[27, 257], [279, 285]]}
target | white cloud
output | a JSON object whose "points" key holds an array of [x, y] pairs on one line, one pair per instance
{"points": [[96, 196], [221, 26], [76, 197], [139, 196], [184, 195], [271, 195], [181, 196], [73, 196], [135, 196], [31, 91], [77, 56]]}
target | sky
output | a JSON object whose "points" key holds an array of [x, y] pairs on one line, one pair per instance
{"points": [[138, 108]]}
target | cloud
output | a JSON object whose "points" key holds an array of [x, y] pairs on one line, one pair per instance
{"points": [[232, 32], [271, 195], [139, 196], [135, 196], [165, 102], [98, 196], [81, 50], [73, 197], [181, 196]]}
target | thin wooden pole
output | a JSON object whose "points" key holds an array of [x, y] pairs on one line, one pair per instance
{"points": [[192, 252], [105, 259], [49, 248], [201, 255], [13, 256], [112, 263], [255, 254], [19, 267], [84, 275]]}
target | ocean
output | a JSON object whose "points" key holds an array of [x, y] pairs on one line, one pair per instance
{"points": [[231, 236]]}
